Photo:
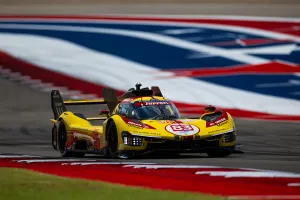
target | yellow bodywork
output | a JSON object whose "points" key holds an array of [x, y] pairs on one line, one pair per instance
{"points": [[158, 130]]}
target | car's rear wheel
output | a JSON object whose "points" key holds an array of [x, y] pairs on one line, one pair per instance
{"points": [[62, 141], [112, 141], [218, 153]]}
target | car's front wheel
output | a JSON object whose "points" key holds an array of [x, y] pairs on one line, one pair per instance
{"points": [[112, 141]]}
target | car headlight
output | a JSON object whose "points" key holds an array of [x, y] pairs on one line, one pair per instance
{"points": [[131, 140], [229, 137]]}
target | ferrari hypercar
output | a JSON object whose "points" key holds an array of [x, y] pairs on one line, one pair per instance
{"points": [[139, 122]]}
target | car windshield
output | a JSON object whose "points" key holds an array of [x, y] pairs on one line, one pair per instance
{"points": [[155, 110]]}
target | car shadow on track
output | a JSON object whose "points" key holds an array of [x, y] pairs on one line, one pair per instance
{"points": [[161, 156]]}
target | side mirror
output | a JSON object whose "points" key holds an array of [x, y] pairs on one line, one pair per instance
{"points": [[104, 112], [209, 108]]}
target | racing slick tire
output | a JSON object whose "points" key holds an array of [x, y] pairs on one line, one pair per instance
{"points": [[62, 141], [218, 153], [111, 151]]}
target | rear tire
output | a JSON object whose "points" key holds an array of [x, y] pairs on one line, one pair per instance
{"points": [[218, 153], [112, 139], [62, 141]]}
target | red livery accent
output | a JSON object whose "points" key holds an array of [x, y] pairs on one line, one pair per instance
{"points": [[96, 139], [71, 141], [219, 120], [137, 123]]}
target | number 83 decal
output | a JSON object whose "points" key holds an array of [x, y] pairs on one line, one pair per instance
{"points": [[182, 129]]}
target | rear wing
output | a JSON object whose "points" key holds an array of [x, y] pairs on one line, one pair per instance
{"points": [[59, 105], [84, 102], [109, 98]]}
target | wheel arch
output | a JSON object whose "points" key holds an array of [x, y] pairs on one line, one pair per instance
{"points": [[109, 121], [119, 122]]}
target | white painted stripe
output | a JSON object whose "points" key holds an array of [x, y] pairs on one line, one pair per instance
{"points": [[46, 87], [100, 68], [293, 184], [289, 83], [5, 71], [14, 76], [261, 197], [265, 33], [171, 166], [240, 57], [181, 31], [105, 163], [250, 174], [50, 160], [286, 62], [270, 50], [26, 80], [19, 156]]}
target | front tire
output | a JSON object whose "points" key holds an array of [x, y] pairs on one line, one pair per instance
{"points": [[112, 141]]}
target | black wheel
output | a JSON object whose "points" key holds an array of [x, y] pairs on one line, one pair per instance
{"points": [[218, 153], [112, 139], [62, 141]]}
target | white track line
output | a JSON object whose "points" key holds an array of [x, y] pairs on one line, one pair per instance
{"points": [[250, 174], [50, 160], [19, 156], [237, 56]]}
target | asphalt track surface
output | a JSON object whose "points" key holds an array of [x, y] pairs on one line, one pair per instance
{"points": [[25, 128]]}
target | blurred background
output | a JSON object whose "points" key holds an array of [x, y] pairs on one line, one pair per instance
{"points": [[275, 8], [239, 55]]}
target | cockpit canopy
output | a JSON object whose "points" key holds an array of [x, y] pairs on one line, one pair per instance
{"points": [[144, 110]]}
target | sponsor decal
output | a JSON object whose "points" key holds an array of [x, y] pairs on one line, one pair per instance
{"points": [[169, 121], [153, 103], [182, 129], [58, 104], [148, 133], [174, 121], [136, 124], [215, 131], [222, 123], [218, 122], [186, 120], [71, 139], [164, 121], [96, 138]]}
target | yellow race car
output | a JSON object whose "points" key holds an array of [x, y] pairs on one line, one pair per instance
{"points": [[138, 122]]}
